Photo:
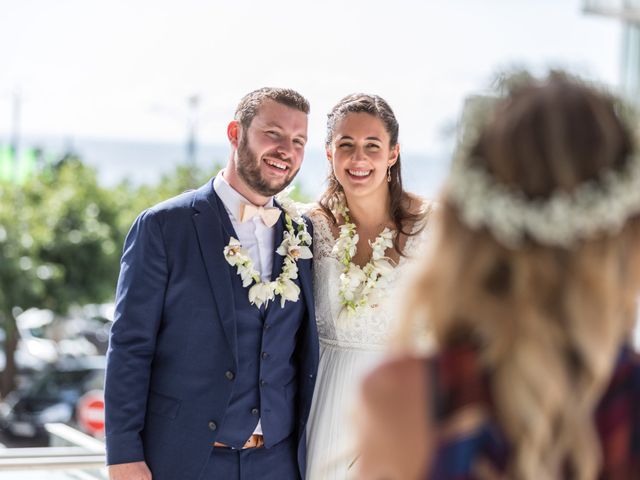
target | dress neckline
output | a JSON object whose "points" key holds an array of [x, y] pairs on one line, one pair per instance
{"points": [[322, 221]]}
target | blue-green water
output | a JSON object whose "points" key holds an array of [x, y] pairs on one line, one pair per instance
{"points": [[145, 162]]}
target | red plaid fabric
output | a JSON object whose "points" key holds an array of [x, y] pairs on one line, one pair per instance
{"points": [[459, 382]]}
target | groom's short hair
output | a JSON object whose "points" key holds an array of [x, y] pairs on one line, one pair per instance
{"points": [[251, 102]]}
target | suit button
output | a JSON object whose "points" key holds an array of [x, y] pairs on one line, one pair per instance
{"points": [[255, 412], [267, 326], [213, 426], [263, 383], [265, 355], [229, 374]]}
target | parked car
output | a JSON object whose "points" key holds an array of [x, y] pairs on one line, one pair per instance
{"points": [[33, 351], [44, 338], [93, 323], [54, 331], [52, 397]]}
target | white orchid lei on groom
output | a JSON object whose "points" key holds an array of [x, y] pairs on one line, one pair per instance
{"points": [[294, 246]]}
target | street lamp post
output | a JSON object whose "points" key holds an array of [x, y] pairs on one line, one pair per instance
{"points": [[193, 102]]}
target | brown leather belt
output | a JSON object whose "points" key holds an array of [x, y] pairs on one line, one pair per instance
{"points": [[255, 441]]}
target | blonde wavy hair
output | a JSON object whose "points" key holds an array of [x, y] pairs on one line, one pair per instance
{"points": [[547, 321]]}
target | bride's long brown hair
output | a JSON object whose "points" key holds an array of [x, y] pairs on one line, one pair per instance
{"points": [[548, 321]]}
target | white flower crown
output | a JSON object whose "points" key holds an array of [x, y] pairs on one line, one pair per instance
{"points": [[562, 219]]}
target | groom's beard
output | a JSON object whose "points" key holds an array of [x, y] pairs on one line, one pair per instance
{"points": [[248, 166]]}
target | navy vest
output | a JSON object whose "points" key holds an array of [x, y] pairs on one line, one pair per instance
{"points": [[264, 387]]}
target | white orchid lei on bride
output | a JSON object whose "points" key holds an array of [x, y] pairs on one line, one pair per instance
{"points": [[360, 287], [294, 246]]}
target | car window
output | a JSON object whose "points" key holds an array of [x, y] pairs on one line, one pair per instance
{"points": [[61, 384], [95, 381]]}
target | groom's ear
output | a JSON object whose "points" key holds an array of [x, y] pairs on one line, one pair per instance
{"points": [[233, 133]]}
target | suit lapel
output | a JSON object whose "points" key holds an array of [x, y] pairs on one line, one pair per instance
{"points": [[304, 274], [278, 235], [306, 285], [212, 238]]}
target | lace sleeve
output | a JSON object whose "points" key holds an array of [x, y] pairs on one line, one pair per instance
{"points": [[323, 239]]}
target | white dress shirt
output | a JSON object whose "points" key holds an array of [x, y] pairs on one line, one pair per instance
{"points": [[254, 235]]}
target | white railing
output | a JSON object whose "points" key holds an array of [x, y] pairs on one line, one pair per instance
{"points": [[82, 456]]}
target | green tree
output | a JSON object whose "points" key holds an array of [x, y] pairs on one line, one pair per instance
{"points": [[19, 282], [133, 199], [59, 245]]}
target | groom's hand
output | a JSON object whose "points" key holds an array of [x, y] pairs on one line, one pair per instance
{"points": [[129, 471], [396, 434]]}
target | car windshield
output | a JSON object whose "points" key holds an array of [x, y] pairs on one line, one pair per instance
{"points": [[67, 384]]}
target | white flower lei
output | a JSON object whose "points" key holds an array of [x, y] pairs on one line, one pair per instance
{"points": [[294, 246], [593, 208], [360, 287]]}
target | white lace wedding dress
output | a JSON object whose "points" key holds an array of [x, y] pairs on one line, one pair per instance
{"points": [[347, 353]]}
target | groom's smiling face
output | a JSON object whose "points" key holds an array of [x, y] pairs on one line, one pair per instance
{"points": [[271, 149]]}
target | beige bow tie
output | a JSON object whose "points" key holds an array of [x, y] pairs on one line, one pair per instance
{"points": [[269, 215]]}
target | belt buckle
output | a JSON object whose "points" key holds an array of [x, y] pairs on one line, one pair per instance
{"points": [[254, 441]]}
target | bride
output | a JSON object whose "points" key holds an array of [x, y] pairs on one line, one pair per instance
{"points": [[365, 228]]}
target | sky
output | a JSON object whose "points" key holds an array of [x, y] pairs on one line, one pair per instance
{"points": [[124, 69]]}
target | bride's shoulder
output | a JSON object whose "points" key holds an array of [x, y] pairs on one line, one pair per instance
{"points": [[308, 210], [323, 232], [311, 209], [420, 205], [420, 210], [319, 218], [316, 213], [305, 208]]}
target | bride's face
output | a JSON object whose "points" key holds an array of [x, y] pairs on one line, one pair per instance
{"points": [[360, 154]]}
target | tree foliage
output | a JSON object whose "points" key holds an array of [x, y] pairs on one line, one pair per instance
{"points": [[61, 236]]}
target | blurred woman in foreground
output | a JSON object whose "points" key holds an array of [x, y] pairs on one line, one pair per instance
{"points": [[530, 290]]}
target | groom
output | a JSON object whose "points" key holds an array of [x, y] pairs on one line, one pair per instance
{"points": [[201, 382]]}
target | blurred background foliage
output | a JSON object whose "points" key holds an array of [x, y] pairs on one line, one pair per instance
{"points": [[61, 237]]}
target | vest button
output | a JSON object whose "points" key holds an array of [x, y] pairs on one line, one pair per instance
{"points": [[267, 326], [213, 426], [229, 374], [263, 383], [255, 412], [265, 355]]}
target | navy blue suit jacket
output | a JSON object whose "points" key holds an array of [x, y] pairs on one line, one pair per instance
{"points": [[173, 341]]}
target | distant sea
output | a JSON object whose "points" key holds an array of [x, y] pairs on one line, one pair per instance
{"points": [[144, 162]]}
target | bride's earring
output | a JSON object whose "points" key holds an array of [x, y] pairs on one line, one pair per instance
{"points": [[389, 174]]}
